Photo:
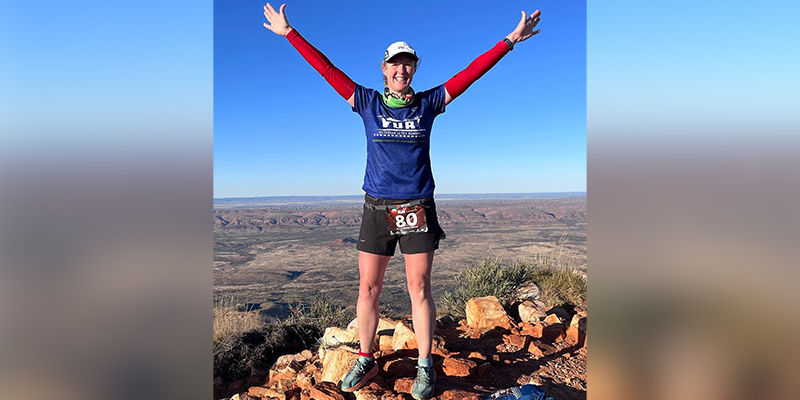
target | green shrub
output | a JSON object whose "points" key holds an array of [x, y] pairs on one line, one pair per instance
{"points": [[245, 346], [321, 313], [558, 285], [488, 277], [236, 354]]}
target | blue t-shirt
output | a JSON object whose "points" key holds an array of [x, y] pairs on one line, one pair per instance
{"points": [[398, 143]]}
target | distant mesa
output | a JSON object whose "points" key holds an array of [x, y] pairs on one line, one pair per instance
{"points": [[348, 241]]}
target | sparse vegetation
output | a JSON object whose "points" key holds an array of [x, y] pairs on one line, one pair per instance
{"points": [[559, 284], [230, 319], [489, 277], [243, 341], [321, 313]]}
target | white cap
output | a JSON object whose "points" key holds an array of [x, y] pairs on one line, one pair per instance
{"points": [[397, 48]]}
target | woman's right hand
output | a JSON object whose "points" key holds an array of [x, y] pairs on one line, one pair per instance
{"points": [[277, 20]]}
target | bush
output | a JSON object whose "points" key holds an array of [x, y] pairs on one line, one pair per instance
{"points": [[559, 285], [321, 313], [241, 347], [488, 277], [229, 320], [236, 354]]}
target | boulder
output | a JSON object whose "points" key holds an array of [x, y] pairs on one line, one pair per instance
{"points": [[534, 330], [336, 336], [403, 385], [562, 313], [529, 312], [305, 380], [456, 394], [518, 341], [576, 331], [385, 325], [323, 391], [535, 350], [551, 319], [485, 313], [336, 364], [458, 367], [385, 342], [554, 333], [399, 367], [260, 391], [403, 337], [528, 291]]}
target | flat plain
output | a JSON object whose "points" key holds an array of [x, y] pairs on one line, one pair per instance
{"points": [[276, 252]]}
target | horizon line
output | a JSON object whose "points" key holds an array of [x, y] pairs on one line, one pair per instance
{"points": [[574, 193]]}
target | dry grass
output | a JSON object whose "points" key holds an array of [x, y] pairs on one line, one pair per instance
{"points": [[560, 284], [230, 320]]}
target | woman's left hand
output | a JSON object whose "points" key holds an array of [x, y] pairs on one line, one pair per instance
{"points": [[524, 29]]}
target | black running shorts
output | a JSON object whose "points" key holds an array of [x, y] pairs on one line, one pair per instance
{"points": [[375, 237]]}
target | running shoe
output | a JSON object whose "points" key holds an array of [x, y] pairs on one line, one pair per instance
{"points": [[359, 375], [423, 385]]}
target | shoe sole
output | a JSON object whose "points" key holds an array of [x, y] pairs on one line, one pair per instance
{"points": [[369, 375], [421, 398]]}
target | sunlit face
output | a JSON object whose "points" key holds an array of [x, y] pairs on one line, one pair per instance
{"points": [[399, 71]]}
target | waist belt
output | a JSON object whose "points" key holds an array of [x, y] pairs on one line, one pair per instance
{"points": [[386, 207]]}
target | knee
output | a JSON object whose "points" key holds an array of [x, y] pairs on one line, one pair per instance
{"points": [[419, 289], [369, 291]]}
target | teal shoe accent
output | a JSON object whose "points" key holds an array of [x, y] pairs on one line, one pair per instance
{"points": [[424, 384], [359, 375]]}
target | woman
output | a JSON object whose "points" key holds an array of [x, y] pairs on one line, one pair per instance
{"points": [[399, 206]]}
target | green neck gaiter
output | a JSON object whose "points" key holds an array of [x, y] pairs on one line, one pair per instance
{"points": [[392, 99]]}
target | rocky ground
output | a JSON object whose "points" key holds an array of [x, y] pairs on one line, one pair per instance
{"points": [[486, 352]]}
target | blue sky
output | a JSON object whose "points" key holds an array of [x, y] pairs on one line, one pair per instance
{"points": [[280, 129]]}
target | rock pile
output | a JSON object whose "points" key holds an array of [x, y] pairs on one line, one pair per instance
{"points": [[488, 351]]}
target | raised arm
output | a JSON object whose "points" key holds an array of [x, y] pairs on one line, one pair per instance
{"points": [[462, 80], [335, 77]]}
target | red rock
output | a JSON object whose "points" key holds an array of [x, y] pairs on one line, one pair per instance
{"points": [[260, 391], [280, 378], [477, 355], [485, 313], [303, 356], [324, 391], [576, 332], [456, 394], [534, 350], [336, 364], [528, 312], [399, 367], [293, 394], [367, 394], [458, 367], [518, 341], [385, 342], [244, 396], [403, 385], [403, 337], [534, 330], [560, 312], [554, 333], [438, 346], [551, 319], [377, 384], [305, 380], [482, 369]]}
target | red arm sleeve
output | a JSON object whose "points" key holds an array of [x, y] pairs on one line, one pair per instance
{"points": [[335, 77], [461, 81]]}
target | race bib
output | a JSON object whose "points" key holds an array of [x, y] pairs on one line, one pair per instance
{"points": [[405, 219]]}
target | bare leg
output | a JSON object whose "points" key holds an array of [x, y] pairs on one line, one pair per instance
{"points": [[371, 268], [423, 309]]}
